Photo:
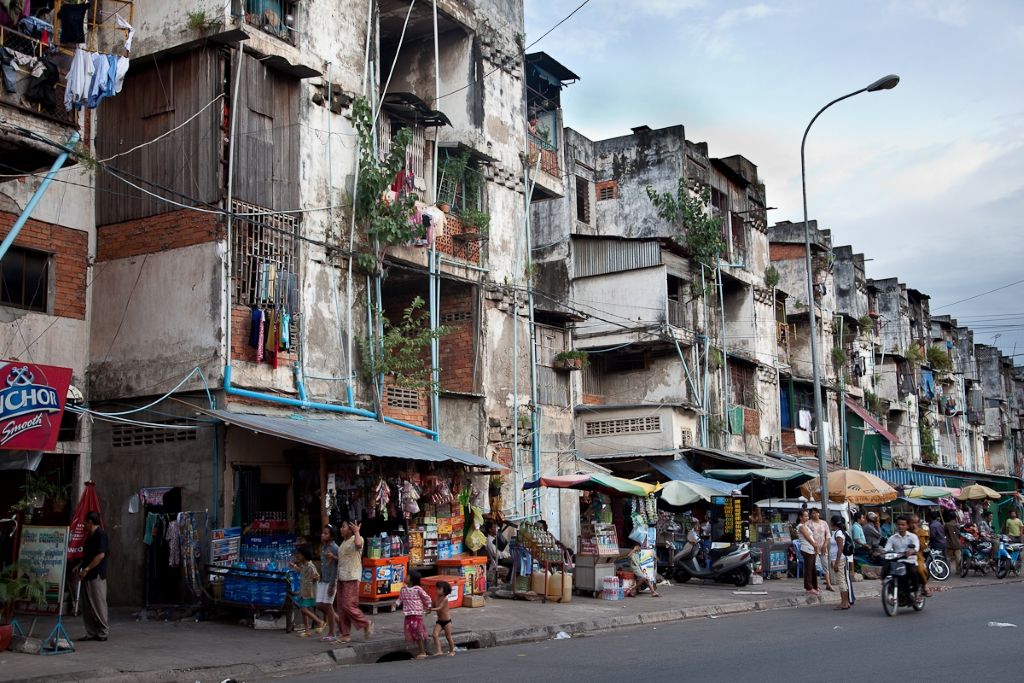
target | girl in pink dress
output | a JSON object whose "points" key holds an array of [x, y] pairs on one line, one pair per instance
{"points": [[415, 603]]}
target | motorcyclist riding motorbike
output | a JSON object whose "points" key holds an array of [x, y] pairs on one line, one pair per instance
{"points": [[907, 543]]}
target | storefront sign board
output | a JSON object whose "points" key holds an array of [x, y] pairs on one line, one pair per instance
{"points": [[32, 399], [44, 550]]}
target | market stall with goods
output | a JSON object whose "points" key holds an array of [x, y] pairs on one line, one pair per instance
{"points": [[617, 514], [769, 525], [416, 501]]}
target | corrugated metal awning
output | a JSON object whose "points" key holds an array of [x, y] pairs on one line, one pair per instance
{"points": [[870, 419], [753, 460], [352, 436], [908, 478]]}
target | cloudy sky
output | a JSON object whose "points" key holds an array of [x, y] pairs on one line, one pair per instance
{"points": [[927, 179]]}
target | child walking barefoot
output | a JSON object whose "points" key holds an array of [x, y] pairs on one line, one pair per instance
{"points": [[444, 621], [415, 603], [307, 588]]}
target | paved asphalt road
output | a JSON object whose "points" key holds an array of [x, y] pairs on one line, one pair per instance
{"points": [[949, 640]]}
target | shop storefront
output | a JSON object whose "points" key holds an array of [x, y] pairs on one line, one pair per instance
{"points": [[290, 475], [37, 479]]}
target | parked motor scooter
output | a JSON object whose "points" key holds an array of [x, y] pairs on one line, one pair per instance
{"points": [[975, 554], [937, 566], [1009, 558], [728, 564]]}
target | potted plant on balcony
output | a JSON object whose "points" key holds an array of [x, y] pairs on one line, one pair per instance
{"points": [[17, 585], [475, 223], [572, 360]]}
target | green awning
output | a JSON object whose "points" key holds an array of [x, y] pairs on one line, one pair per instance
{"points": [[760, 473]]}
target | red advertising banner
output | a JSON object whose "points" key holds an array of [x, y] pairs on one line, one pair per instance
{"points": [[32, 401], [89, 502]]}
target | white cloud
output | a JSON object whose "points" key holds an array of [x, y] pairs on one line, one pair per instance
{"points": [[668, 8], [951, 12], [741, 15], [714, 38]]}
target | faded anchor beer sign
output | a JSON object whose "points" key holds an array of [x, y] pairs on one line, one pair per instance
{"points": [[31, 405]]}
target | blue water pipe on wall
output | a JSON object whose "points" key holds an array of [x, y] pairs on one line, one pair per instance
{"points": [[37, 195], [303, 402]]}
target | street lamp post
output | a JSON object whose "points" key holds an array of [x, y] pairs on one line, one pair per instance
{"points": [[885, 83]]}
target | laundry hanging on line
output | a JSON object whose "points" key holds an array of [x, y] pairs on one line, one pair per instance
{"points": [[92, 77]]}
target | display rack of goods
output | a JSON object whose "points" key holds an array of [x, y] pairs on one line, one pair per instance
{"points": [[598, 539]]}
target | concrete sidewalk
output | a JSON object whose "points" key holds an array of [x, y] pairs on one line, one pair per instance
{"points": [[212, 651]]}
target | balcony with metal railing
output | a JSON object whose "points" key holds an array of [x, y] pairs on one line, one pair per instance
{"points": [[34, 76], [274, 17]]}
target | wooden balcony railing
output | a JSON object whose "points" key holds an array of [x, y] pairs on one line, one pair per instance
{"points": [[548, 157]]}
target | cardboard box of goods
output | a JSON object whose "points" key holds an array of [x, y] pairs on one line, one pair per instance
{"points": [[473, 601]]}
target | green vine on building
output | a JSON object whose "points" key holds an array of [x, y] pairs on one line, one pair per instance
{"points": [[385, 223], [688, 210]]}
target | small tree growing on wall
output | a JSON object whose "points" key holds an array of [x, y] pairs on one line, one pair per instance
{"points": [[386, 223], [400, 353], [696, 228]]}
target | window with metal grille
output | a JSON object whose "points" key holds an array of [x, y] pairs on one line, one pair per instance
{"points": [[582, 200], [552, 387], [738, 234], [276, 17], [264, 261], [461, 182], [741, 384], [629, 425], [388, 128], [685, 437], [623, 426], [593, 383], [129, 435], [25, 279], [400, 397]]}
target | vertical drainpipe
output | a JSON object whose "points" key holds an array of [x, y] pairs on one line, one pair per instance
{"points": [[705, 400], [229, 237], [349, 289], [435, 264], [534, 407], [841, 376], [725, 354]]}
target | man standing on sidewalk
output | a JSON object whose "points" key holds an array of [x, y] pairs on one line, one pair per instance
{"points": [[93, 575], [1013, 527], [952, 529]]}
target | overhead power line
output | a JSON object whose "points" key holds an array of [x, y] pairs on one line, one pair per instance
{"points": [[977, 296]]}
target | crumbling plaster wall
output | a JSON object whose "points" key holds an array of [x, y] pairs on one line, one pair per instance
{"points": [[655, 158]]}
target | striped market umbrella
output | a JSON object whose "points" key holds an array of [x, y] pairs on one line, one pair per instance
{"points": [[600, 482], [852, 486]]}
